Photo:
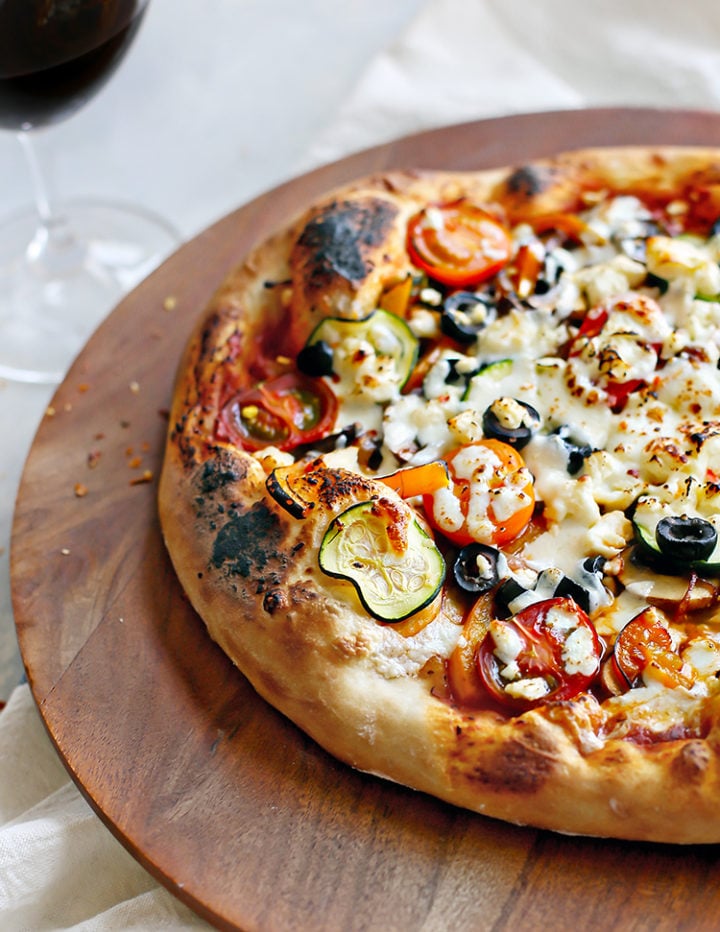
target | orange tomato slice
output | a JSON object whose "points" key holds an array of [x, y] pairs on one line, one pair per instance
{"points": [[493, 491]]}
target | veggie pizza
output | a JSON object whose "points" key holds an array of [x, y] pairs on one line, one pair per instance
{"points": [[443, 480]]}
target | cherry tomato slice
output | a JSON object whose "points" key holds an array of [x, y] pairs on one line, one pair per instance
{"points": [[548, 651], [458, 243], [491, 496], [282, 412], [645, 641]]}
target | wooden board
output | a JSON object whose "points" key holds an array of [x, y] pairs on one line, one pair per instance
{"points": [[229, 805]]}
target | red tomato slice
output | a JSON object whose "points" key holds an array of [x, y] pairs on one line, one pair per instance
{"points": [[542, 631], [458, 243], [282, 412], [644, 641], [481, 474]]}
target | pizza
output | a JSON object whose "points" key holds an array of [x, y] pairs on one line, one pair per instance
{"points": [[442, 479]]}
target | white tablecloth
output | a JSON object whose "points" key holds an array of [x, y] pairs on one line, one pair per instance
{"points": [[456, 60]]}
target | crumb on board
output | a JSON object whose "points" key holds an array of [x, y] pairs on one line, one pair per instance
{"points": [[80, 490], [145, 476], [170, 302]]}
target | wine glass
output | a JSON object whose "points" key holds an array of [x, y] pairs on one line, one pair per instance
{"points": [[64, 266]]}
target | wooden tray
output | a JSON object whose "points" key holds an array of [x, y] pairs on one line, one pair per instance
{"points": [[224, 801]]}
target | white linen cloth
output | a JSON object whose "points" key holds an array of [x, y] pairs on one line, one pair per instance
{"points": [[459, 60]]}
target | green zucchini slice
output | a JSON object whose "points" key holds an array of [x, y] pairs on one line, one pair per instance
{"points": [[491, 374], [391, 584], [388, 334]]}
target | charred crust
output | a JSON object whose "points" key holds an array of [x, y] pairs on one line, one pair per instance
{"points": [[529, 181], [275, 600], [338, 241], [218, 472], [248, 542]]}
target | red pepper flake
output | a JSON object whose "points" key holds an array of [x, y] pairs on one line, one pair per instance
{"points": [[99, 436], [93, 458], [80, 490], [83, 387], [135, 462], [147, 476]]}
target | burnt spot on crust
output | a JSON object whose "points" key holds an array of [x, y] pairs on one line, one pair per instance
{"points": [[246, 543], [690, 764], [521, 764], [338, 240], [218, 472], [528, 181], [275, 600]]}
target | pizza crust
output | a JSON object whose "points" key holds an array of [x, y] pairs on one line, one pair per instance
{"points": [[302, 638]]}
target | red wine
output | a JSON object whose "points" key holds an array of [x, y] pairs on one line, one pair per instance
{"points": [[56, 54]]}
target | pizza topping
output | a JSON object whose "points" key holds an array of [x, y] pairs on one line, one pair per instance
{"points": [[372, 358], [674, 534], [550, 650], [477, 568], [315, 359], [491, 499], [644, 648], [511, 421], [282, 412], [685, 538], [391, 561], [458, 243], [465, 314], [418, 480]]}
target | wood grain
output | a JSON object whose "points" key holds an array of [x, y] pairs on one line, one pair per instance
{"points": [[231, 807]]}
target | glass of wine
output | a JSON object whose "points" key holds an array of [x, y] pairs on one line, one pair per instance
{"points": [[64, 266]]}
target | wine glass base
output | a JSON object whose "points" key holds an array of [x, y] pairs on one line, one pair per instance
{"points": [[59, 282]]}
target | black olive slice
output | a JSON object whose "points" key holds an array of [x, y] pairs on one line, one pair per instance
{"points": [[577, 451], [476, 568], [499, 417], [506, 595], [465, 314], [685, 538], [595, 564], [315, 359], [568, 589]]}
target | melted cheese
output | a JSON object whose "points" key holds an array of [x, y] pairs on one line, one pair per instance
{"points": [[667, 431]]}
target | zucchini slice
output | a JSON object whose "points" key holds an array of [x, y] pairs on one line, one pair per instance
{"points": [[392, 583], [489, 375], [388, 335]]}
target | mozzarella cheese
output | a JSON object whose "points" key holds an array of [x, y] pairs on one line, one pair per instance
{"points": [[629, 404]]}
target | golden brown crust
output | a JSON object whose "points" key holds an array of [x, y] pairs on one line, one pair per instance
{"points": [[301, 637]]}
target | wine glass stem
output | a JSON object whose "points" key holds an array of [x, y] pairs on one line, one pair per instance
{"points": [[53, 250]]}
